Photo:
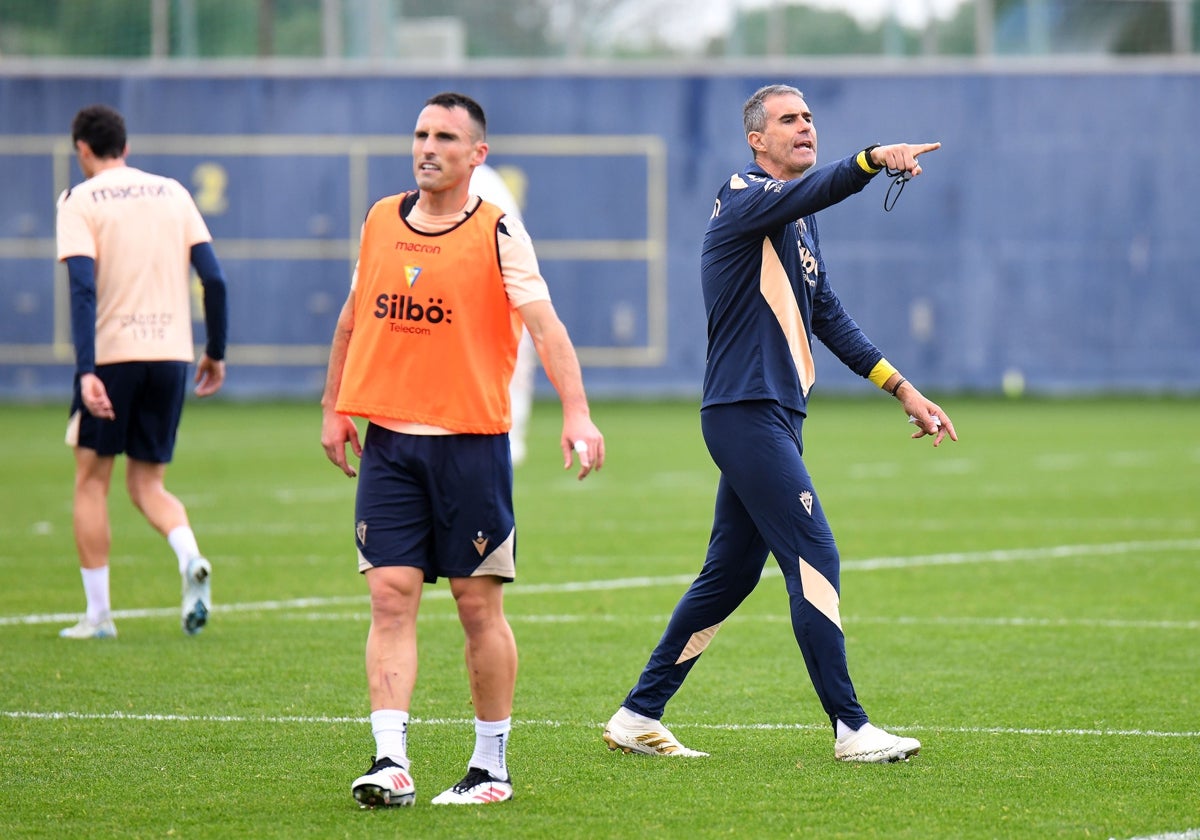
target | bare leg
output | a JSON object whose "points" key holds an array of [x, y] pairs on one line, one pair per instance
{"points": [[93, 537], [162, 510], [392, 640], [491, 649]]}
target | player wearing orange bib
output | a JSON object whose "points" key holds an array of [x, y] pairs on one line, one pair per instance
{"points": [[424, 350], [442, 327]]}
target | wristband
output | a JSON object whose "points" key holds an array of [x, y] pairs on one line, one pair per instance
{"points": [[866, 159], [897, 388]]}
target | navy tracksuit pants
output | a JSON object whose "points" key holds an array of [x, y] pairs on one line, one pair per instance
{"points": [[765, 504]]}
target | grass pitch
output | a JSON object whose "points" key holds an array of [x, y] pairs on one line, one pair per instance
{"points": [[1024, 602]]}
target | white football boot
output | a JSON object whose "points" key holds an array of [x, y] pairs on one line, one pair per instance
{"points": [[197, 595], [478, 787], [386, 784], [629, 734], [86, 630], [872, 744]]}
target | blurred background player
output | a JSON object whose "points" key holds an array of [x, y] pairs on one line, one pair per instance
{"points": [[508, 193], [127, 237]]}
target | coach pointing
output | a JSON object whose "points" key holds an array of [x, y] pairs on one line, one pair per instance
{"points": [[767, 296]]}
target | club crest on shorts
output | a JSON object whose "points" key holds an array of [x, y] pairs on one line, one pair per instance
{"points": [[360, 531], [481, 542], [806, 499]]}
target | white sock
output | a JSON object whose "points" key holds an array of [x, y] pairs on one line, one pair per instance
{"points": [[635, 717], [491, 746], [95, 589], [390, 728], [183, 542], [843, 730]]}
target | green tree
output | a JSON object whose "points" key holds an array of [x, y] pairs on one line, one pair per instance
{"points": [[800, 30], [514, 29]]}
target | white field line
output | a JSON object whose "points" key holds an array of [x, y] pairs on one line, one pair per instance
{"points": [[625, 583], [849, 619], [1189, 834], [516, 589], [725, 727]]}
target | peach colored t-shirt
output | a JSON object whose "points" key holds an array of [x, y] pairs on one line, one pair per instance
{"points": [[139, 228]]}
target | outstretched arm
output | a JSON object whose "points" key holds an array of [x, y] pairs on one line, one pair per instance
{"points": [[899, 156], [764, 207]]}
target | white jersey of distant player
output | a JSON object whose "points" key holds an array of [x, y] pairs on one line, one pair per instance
{"points": [[488, 184]]}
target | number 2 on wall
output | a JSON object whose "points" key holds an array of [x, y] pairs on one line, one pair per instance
{"points": [[210, 180]]}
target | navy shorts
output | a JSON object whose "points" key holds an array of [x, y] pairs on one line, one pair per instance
{"points": [[441, 503], [147, 398]]}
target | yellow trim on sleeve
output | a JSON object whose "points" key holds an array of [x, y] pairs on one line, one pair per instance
{"points": [[865, 163], [881, 373]]}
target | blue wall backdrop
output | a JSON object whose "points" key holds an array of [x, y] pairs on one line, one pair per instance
{"points": [[1054, 236]]}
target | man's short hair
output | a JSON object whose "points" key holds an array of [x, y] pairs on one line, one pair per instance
{"points": [[754, 115], [102, 128], [450, 99]]}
